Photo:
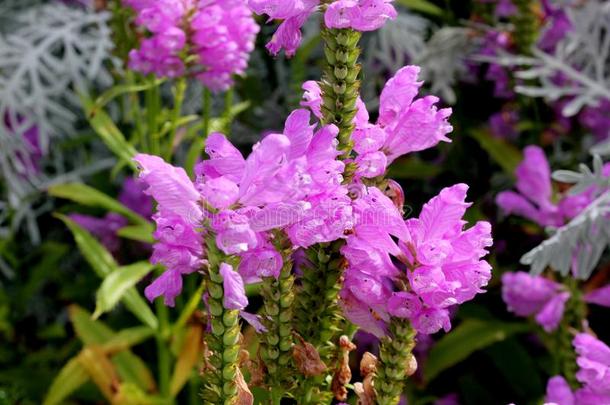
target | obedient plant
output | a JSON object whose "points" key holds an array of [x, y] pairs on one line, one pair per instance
{"points": [[316, 196], [211, 40]]}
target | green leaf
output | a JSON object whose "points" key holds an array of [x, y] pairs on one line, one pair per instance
{"points": [[413, 168], [503, 153], [422, 6], [140, 233], [126, 338], [113, 138], [89, 196], [116, 91], [470, 336], [518, 368], [129, 366], [69, 379], [116, 284], [104, 264]]}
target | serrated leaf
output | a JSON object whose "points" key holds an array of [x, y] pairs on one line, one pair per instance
{"points": [[117, 283], [190, 355], [89, 196], [104, 264], [422, 6], [68, 380], [114, 139], [140, 233], [504, 154], [470, 336]]}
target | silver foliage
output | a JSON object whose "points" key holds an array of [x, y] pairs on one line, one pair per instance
{"points": [[582, 58], [407, 40], [53, 53], [579, 244]]}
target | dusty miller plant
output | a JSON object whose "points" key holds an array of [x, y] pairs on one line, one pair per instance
{"points": [[579, 244], [53, 52], [578, 69]]}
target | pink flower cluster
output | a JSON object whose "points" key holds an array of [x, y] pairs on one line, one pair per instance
{"points": [[435, 264], [594, 375], [290, 181], [293, 181], [360, 15], [534, 199], [220, 33], [405, 124], [527, 295]]}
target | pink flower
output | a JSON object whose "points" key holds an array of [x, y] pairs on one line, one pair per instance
{"points": [[360, 15], [594, 362], [600, 296], [527, 295], [220, 34], [233, 286], [441, 261], [405, 124]]}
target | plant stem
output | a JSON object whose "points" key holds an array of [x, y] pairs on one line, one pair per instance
{"points": [[179, 91], [223, 340], [206, 112], [163, 347], [394, 358], [277, 341], [574, 314]]}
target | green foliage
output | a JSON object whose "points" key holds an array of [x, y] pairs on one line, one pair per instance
{"points": [[468, 337]]}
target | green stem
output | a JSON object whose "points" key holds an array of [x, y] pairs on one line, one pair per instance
{"points": [[317, 315], [526, 26], [340, 85], [179, 91], [277, 341], [394, 358], [163, 347], [206, 113], [574, 314], [152, 114], [223, 341]]}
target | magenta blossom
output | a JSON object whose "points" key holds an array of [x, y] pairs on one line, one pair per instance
{"points": [[534, 199], [233, 286], [360, 15], [405, 124], [440, 266], [220, 34], [291, 181], [527, 295], [594, 374]]}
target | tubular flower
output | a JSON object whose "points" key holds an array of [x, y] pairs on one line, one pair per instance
{"points": [[290, 181], [405, 124], [220, 34], [527, 295], [440, 263], [594, 374], [360, 15]]}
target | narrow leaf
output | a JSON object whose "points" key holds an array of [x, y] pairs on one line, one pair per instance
{"points": [[140, 233], [130, 367], [470, 336], [69, 379], [102, 124], [423, 6], [89, 196], [189, 356], [116, 284], [116, 91], [100, 369], [104, 264], [504, 154]]}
